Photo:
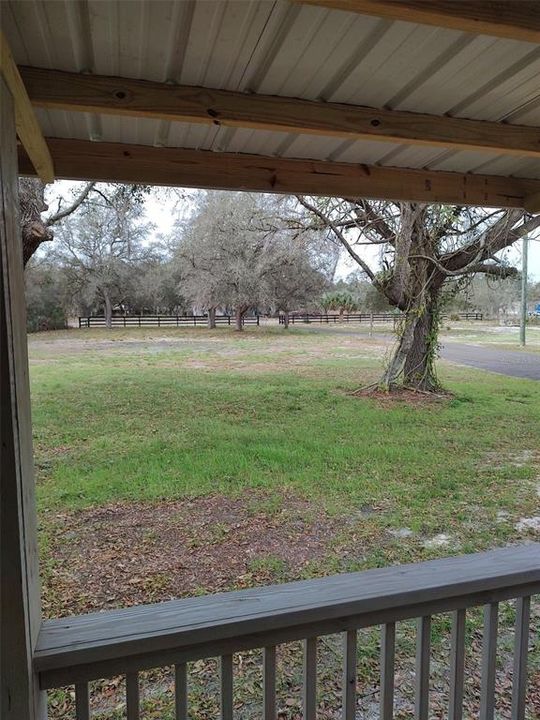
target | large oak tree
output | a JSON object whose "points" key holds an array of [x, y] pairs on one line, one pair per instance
{"points": [[416, 255]]}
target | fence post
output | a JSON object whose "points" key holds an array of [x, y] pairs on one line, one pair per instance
{"points": [[158, 321], [124, 321], [257, 320], [229, 319], [370, 324], [139, 319]]}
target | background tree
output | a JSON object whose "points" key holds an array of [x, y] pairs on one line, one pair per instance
{"points": [[292, 281], [421, 248], [340, 300], [238, 252], [100, 245]]}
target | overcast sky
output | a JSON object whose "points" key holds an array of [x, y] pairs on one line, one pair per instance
{"points": [[163, 212]]}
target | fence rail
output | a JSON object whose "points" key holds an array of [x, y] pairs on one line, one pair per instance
{"points": [[98, 321], [81, 649], [363, 317]]}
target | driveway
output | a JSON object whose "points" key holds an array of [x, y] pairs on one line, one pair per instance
{"points": [[516, 363]]}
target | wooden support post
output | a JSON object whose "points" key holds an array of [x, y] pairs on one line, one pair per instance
{"points": [[20, 612]]}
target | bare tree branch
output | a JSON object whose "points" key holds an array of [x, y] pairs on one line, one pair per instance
{"points": [[338, 233], [62, 213]]}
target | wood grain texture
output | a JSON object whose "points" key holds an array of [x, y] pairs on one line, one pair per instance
{"points": [[269, 683], [226, 672], [181, 692], [100, 644], [423, 656], [515, 19], [82, 701], [349, 675], [28, 128], [20, 612], [120, 162], [521, 651], [457, 666], [132, 696], [489, 661], [388, 653], [140, 98], [532, 203], [309, 688]]}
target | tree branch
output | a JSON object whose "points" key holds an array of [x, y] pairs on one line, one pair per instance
{"points": [[61, 214], [338, 233]]}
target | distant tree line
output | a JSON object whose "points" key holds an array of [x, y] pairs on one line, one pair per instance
{"points": [[236, 253]]}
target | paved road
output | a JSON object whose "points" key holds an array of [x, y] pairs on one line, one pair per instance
{"points": [[516, 363]]}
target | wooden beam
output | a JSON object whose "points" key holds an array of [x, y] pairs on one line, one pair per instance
{"points": [[515, 20], [120, 162], [532, 203], [140, 98], [27, 125]]}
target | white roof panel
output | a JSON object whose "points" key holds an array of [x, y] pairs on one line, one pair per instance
{"points": [[282, 48]]}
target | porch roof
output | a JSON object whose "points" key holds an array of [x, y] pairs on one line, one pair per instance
{"points": [[261, 50]]}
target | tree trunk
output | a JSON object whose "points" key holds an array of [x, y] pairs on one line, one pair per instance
{"points": [[32, 204], [416, 351], [286, 320], [108, 310], [211, 318], [419, 367], [239, 319]]}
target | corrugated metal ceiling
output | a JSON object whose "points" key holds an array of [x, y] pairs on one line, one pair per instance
{"points": [[274, 47]]}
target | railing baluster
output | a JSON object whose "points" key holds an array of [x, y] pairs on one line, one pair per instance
{"points": [[310, 678], [132, 696], [423, 641], [226, 687], [349, 674], [521, 645], [269, 683], [180, 691], [388, 651], [457, 660], [489, 659], [82, 701]]}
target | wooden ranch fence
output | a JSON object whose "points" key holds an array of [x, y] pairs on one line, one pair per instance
{"points": [[98, 321], [363, 317]]}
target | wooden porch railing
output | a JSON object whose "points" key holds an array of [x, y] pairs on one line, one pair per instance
{"points": [[80, 649]]}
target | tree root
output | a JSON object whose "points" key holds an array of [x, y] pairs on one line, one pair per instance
{"points": [[380, 391]]}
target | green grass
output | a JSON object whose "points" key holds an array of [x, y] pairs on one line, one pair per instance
{"points": [[143, 425], [140, 416]]}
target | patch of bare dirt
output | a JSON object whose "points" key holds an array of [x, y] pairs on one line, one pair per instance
{"points": [[124, 554], [403, 396]]}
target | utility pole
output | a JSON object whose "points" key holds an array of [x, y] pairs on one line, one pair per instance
{"points": [[524, 269]]}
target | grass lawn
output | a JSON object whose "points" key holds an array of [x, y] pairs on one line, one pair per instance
{"points": [[489, 333], [248, 453]]}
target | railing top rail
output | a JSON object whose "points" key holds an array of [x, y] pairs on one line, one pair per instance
{"points": [[148, 631]]}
